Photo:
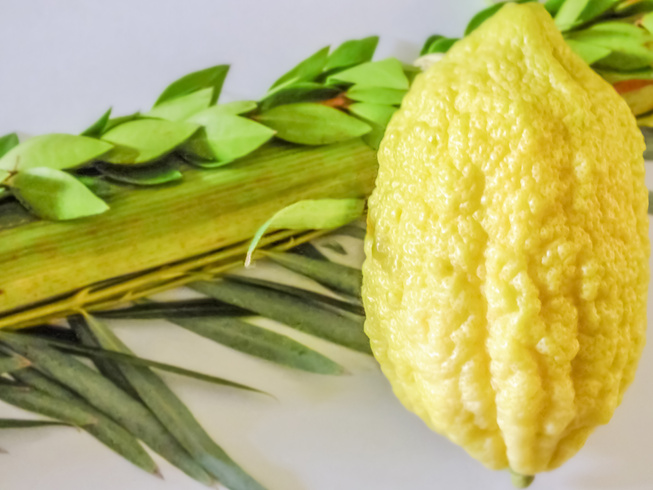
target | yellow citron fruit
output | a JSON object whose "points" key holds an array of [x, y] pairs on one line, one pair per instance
{"points": [[506, 268]]}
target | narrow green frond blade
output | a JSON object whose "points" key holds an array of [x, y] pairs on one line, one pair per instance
{"points": [[173, 309], [28, 424], [212, 78], [305, 71], [95, 130]]}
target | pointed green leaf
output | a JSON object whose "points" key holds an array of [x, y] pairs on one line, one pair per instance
{"points": [[117, 121], [152, 138], [373, 138], [102, 394], [57, 151], [259, 342], [307, 249], [98, 186], [212, 78], [12, 363], [553, 6], [612, 28], [596, 8], [104, 430], [376, 113], [309, 317], [569, 12], [7, 142], [310, 214], [226, 138], [27, 424], [305, 71], [146, 175], [341, 278], [312, 124], [442, 45], [175, 416], [95, 130], [427, 44], [626, 45], [335, 247], [298, 92], [626, 8], [352, 52], [647, 23], [376, 95], [173, 309], [56, 195], [351, 305], [387, 73], [234, 108], [481, 17], [183, 107], [590, 53], [32, 400]]}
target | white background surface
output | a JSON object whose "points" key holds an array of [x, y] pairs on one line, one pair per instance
{"points": [[62, 64]]}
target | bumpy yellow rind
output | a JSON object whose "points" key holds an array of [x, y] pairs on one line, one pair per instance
{"points": [[507, 251]]}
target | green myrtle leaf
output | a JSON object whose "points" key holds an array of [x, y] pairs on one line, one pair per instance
{"points": [[312, 124], [481, 17], [95, 130], [352, 52], [98, 186], [57, 151], [376, 95], [227, 137], [121, 155], [56, 195], [212, 78], [117, 121], [387, 73], [596, 8], [620, 76], [590, 53], [208, 116], [647, 22], [152, 138], [236, 108], [553, 6], [298, 92], [626, 8], [428, 42], [7, 142], [625, 43], [305, 71], [182, 107], [376, 113], [374, 137], [310, 214], [145, 175], [569, 12], [442, 45], [612, 29]]}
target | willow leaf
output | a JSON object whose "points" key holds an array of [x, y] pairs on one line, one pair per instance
{"points": [[56, 151], [34, 401], [104, 429], [387, 73], [352, 52], [175, 416], [351, 306], [311, 318], [173, 309], [212, 78], [95, 130], [7, 142], [312, 124], [55, 195], [310, 214], [108, 398], [27, 424], [152, 138], [183, 107], [338, 277], [259, 342]]}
